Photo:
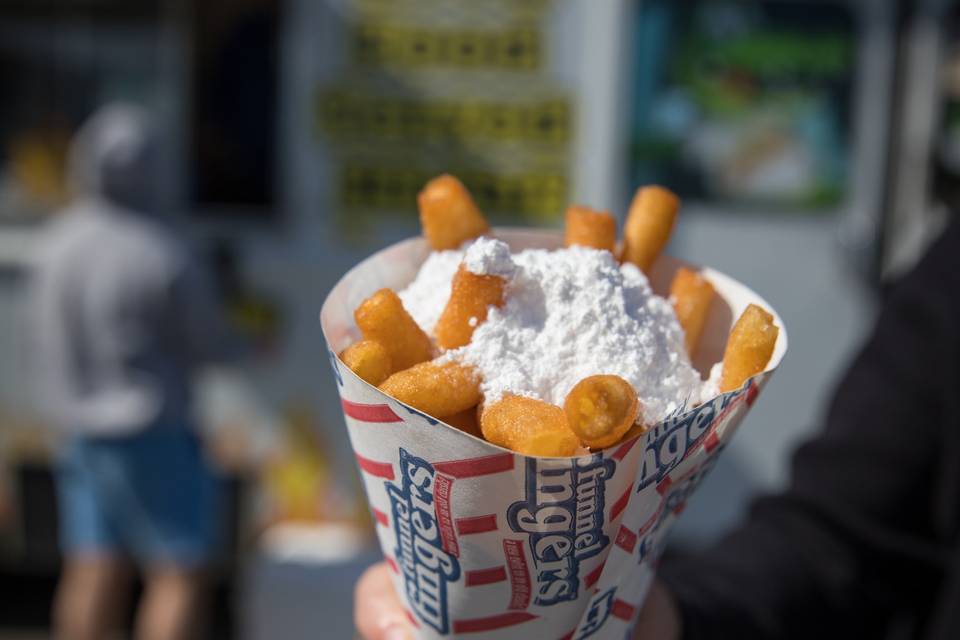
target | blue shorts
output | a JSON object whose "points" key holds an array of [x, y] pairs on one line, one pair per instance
{"points": [[149, 495]]}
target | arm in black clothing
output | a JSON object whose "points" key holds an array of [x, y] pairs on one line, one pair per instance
{"points": [[867, 526]]}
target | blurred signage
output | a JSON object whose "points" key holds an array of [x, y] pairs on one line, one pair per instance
{"points": [[412, 47], [348, 117], [745, 103], [427, 87]]}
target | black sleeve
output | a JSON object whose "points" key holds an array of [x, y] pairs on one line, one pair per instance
{"points": [[864, 530]]}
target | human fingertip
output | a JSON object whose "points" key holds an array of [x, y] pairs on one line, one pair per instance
{"points": [[396, 632]]}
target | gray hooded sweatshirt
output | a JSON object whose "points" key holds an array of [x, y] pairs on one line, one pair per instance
{"points": [[120, 315]]}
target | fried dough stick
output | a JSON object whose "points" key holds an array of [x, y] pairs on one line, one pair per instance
{"points": [[587, 227], [749, 347], [601, 409], [448, 214], [470, 297], [691, 295], [382, 318], [528, 426], [438, 389], [649, 223]]}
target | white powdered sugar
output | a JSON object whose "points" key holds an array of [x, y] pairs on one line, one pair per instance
{"points": [[569, 314], [711, 386], [489, 257], [426, 296]]}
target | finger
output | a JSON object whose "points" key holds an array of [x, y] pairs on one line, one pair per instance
{"points": [[377, 611]]}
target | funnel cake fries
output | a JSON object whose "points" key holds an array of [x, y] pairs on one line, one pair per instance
{"points": [[529, 426], [587, 227], [749, 347], [368, 359], [649, 224], [470, 297], [448, 214], [691, 295], [601, 409], [382, 318]]}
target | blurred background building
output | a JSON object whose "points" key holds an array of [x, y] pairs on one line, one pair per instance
{"points": [[816, 145]]}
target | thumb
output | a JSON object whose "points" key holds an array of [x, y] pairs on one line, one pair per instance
{"points": [[378, 613]]}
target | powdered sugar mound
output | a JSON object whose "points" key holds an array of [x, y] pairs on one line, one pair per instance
{"points": [[427, 295], [569, 314], [487, 256], [711, 386]]}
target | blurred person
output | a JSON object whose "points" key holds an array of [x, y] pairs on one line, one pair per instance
{"points": [[865, 542], [122, 316]]}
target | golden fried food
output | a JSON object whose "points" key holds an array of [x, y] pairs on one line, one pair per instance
{"points": [[470, 297], [635, 431], [466, 421], [550, 444], [691, 295], [438, 389], [749, 347], [448, 214], [382, 318], [589, 228], [649, 223], [600, 409], [528, 426], [368, 359]]}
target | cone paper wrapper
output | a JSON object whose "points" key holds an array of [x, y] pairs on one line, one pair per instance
{"points": [[487, 543]]}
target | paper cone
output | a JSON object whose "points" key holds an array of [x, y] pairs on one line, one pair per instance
{"points": [[485, 542]]}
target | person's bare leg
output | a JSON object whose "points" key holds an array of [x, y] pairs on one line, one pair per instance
{"points": [[172, 604], [91, 597]]}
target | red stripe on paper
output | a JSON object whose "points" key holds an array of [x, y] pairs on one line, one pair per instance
{"points": [[374, 468], [392, 564], [485, 576], [730, 407], [369, 412], [519, 574], [413, 620], [652, 519], [711, 442], [621, 503], [476, 524], [591, 578], [568, 635], [474, 625], [626, 539], [624, 449], [442, 487], [622, 610], [380, 517], [664, 485], [472, 467], [752, 392]]}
